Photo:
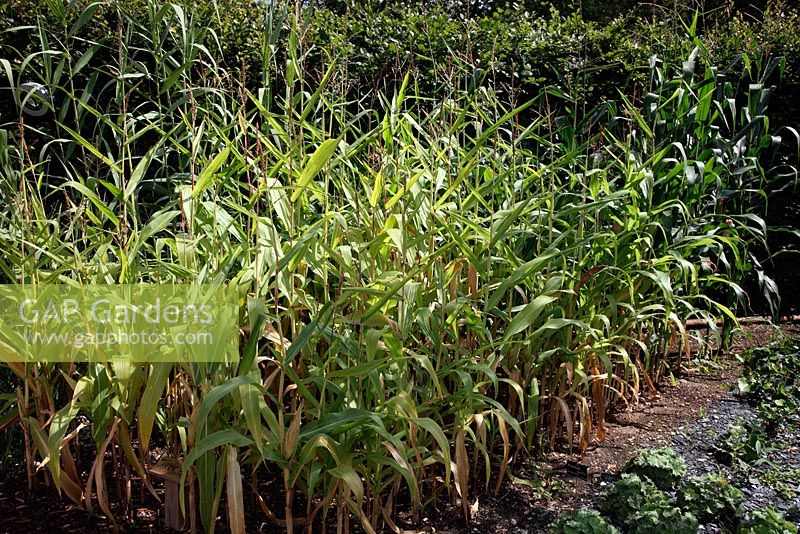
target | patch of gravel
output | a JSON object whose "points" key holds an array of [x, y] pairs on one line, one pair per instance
{"points": [[696, 443]]}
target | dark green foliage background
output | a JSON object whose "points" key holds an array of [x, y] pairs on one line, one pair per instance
{"points": [[523, 46]]}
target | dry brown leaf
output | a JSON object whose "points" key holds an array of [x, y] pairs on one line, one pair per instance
{"points": [[462, 474], [501, 425], [599, 398], [233, 491], [473, 282], [96, 476]]}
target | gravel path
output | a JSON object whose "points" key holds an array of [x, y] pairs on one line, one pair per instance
{"points": [[695, 442]]}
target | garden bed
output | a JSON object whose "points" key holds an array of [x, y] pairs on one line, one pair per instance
{"points": [[692, 415]]}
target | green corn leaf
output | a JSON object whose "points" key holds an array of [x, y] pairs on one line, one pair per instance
{"points": [[91, 148], [139, 171], [153, 391], [316, 162], [351, 478], [94, 199], [206, 177], [216, 394], [205, 446]]}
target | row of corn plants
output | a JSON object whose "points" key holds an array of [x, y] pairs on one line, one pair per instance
{"points": [[428, 289]]}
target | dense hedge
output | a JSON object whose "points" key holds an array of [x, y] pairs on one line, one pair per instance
{"points": [[517, 47], [522, 49]]}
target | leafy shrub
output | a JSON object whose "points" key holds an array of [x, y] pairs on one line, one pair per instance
{"points": [[661, 466], [582, 521], [661, 518], [629, 495], [710, 497], [774, 30], [767, 521]]}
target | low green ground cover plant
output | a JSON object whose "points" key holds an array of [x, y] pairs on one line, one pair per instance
{"points": [[638, 505], [635, 504], [771, 377], [663, 467], [711, 498], [744, 445], [785, 481], [629, 495], [662, 519], [767, 521], [582, 521]]}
